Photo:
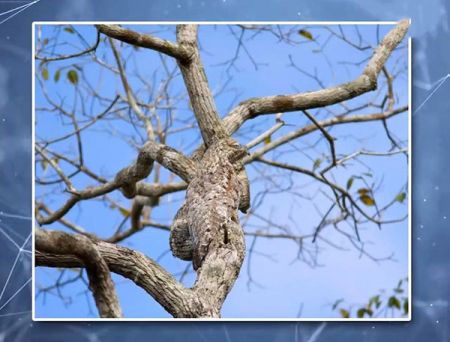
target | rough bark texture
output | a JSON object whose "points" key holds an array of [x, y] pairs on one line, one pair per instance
{"points": [[99, 275], [198, 89], [212, 198], [146, 41], [206, 229], [130, 264]]}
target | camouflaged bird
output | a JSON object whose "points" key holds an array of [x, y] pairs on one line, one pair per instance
{"points": [[212, 200]]}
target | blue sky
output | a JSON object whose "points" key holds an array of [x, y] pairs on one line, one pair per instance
{"points": [[287, 285]]}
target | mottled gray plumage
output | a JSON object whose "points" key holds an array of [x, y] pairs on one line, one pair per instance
{"points": [[180, 238], [212, 200]]}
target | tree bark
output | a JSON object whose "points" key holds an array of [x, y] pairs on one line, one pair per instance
{"points": [[99, 275]]}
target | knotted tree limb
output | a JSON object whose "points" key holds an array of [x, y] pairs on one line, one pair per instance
{"points": [[59, 249], [84, 249], [127, 178]]}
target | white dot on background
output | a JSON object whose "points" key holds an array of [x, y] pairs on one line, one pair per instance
{"points": [[424, 199], [419, 238], [436, 188], [437, 321], [445, 217], [299, 13]]}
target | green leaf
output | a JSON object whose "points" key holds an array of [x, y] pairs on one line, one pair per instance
{"points": [[306, 34], [344, 313], [44, 73], [375, 300], [57, 75], [267, 140], [399, 289], [317, 163], [124, 212], [367, 200], [44, 164], [363, 191], [406, 306], [378, 304], [69, 29], [393, 302], [350, 182], [360, 313], [400, 197], [72, 75], [45, 41]]}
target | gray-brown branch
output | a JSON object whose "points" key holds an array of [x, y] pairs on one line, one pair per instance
{"points": [[134, 38], [84, 249], [200, 95], [127, 178], [61, 250]]}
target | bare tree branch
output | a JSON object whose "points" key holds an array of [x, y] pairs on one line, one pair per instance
{"points": [[73, 55], [127, 178], [324, 123], [130, 96], [182, 53], [251, 108]]}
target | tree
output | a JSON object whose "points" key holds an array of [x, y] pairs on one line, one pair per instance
{"points": [[206, 230]]}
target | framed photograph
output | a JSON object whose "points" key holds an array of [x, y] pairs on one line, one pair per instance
{"points": [[222, 171]]}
